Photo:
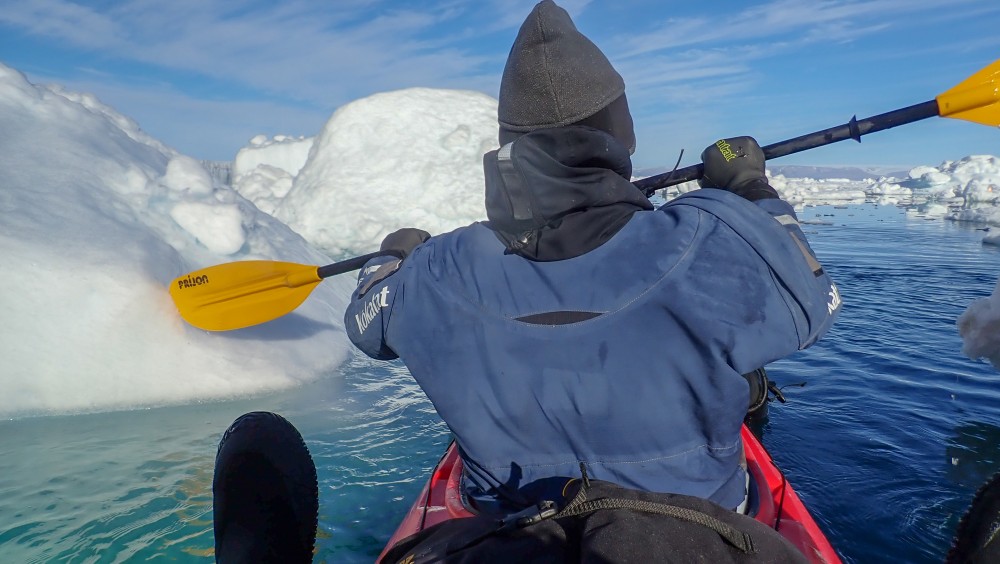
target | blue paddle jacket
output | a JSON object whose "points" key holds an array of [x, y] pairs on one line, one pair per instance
{"points": [[626, 357]]}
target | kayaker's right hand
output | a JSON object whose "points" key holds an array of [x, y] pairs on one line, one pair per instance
{"points": [[402, 242], [737, 165]]}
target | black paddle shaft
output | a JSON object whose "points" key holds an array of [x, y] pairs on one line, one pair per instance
{"points": [[347, 265], [853, 129]]}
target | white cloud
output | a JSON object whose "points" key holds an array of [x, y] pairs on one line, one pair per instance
{"points": [[211, 129], [300, 50], [785, 19], [71, 22]]}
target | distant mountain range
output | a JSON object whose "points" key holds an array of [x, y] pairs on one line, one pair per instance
{"points": [[848, 172], [816, 172]]}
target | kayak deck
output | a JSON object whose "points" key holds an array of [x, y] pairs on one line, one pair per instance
{"points": [[779, 506]]}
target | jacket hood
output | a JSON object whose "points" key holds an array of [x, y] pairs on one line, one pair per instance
{"points": [[557, 193]]}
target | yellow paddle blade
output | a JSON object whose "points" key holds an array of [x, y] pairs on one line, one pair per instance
{"points": [[975, 99], [241, 294]]}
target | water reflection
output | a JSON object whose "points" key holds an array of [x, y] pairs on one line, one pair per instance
{"points": [[930, 205], [966, 214]]}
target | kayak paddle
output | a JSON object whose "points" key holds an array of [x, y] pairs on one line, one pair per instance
{"points": [[975, 99], [241, 294]]}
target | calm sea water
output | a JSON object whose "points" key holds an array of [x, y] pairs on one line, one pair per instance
{"points": [[886, 442]]}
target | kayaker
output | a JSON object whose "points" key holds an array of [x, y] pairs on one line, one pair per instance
{"points": [[579, 325]]}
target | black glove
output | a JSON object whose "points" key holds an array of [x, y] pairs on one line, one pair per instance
{"points": [[736, 165], [402, 242]]}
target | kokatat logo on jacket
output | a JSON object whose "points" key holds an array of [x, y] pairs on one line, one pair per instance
{"points": [[834, 299], [378, 301]]}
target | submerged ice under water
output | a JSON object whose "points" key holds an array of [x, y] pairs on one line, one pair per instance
{"points": [[886, 443]]}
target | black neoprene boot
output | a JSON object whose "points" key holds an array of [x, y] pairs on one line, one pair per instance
{"points": [[265, 497]]}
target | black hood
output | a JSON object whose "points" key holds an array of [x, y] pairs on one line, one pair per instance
{"points": [[554, 194]]}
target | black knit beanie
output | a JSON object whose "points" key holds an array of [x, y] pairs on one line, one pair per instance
{"points": [[555, 76]]}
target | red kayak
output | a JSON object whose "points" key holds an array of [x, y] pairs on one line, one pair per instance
{"points": [[780, 507]]}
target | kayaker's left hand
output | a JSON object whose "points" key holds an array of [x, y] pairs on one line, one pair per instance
{"points": [[402, 242]]}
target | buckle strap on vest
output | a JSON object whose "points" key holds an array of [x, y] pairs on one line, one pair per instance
{"points": [[740, 540], [580, 505]]}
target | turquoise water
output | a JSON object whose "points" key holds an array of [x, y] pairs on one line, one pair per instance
{"points": [[887, 441]]}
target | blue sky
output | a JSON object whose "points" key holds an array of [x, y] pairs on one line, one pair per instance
{"points": [[204, 76]]}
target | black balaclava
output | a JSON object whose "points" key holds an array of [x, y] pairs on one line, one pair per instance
{"points": [[555, 76]]}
